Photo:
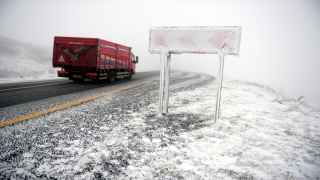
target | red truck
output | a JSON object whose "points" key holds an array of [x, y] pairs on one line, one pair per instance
{"points": [[92, 58]]}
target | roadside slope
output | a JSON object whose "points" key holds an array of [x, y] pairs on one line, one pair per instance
{"points": [[24, 61], [261, 135]]}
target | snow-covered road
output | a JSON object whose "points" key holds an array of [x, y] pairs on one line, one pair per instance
{"points": [[261, 135]]}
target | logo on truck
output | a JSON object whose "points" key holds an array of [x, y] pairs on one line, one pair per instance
{"points": [[76, 54]]}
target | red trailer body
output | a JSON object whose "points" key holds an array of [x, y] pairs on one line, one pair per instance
{"points": [[92, 58]]}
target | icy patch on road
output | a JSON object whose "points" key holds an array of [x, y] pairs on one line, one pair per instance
{"points": [[192, 78]]}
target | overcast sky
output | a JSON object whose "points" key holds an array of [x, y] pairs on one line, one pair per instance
{"points": [[280, 42]]}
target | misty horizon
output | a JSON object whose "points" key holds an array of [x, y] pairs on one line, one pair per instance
{"points": [[279, 47]]}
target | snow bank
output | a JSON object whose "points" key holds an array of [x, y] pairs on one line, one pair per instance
{"points": [[261, 135]]}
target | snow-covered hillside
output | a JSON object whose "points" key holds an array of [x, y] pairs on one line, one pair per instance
{"points": [[24, 61]]}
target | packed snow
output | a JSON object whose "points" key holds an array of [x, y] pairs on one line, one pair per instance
{"points": [[260, 135]]}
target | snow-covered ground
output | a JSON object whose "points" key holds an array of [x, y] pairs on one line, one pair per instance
{"points": [[261, 135]]}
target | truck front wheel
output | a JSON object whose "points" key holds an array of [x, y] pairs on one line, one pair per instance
{"points": [[130, 75], [111, 77]]}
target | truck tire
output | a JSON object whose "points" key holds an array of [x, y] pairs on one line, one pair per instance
{"points": [[111, 77], [130, 75]]}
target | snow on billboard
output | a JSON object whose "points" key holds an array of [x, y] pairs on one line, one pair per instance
{"points": [[195, 39]]}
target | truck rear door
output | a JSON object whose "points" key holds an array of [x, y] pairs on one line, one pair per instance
{"points": [[68, 53]]}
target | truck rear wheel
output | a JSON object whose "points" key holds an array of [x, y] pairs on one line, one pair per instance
{"points": [[111, 77]]}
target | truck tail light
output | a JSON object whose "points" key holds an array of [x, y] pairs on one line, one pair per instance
{"points": [[91, 74], [62, 72]]}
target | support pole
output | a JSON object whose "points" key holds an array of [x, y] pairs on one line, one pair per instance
{"points": [[163, 58], [166, 83], [221, 59]]}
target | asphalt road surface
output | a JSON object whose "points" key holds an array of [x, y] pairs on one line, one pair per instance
{"points": [[18, 93]]}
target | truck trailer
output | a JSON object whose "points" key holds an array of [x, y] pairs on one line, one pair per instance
{"points": [[92, 58]]}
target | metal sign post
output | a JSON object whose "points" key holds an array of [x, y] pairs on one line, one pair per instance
{"points": [[167, 82], [221, 40], [164, 82], [218, 99]]}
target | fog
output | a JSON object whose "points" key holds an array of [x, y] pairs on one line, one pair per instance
{"points": [[279, 47]]}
